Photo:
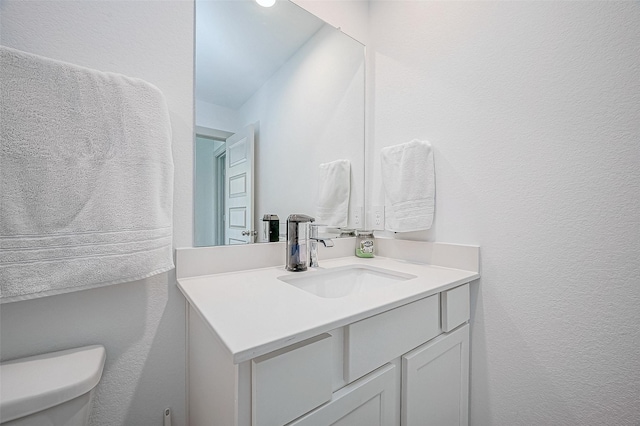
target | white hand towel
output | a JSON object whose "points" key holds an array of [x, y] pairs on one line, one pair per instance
{"points": [[334, 189], [408, 177], [86, 178]]}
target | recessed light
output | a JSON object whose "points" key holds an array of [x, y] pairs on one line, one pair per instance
{"points": [[266, 3]]}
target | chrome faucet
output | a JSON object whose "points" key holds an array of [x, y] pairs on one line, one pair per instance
{"points": [[313, 246], [298, 242]]}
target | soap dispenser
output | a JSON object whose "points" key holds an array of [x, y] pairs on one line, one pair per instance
{"points": [[271, 228], [298, 242]]}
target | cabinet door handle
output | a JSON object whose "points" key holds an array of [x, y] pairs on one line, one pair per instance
{"points": [[248, 233]]}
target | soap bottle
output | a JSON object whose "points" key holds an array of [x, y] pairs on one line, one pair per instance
{"points": [[271, 228], [365, 243]]}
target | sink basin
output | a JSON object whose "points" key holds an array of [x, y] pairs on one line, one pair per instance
{"points": [[345, 280]]}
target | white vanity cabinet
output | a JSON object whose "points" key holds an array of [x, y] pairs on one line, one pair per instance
{"points": [[396, 368]]}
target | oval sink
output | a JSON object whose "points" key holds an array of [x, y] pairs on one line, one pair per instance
{"points": [[345, 280]]}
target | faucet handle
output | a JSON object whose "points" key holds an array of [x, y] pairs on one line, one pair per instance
{"points": [[314, 230], [327, 242]]}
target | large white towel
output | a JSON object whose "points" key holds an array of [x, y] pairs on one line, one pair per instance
{"points": [[408, 177], [334, 189], [86, 178]]}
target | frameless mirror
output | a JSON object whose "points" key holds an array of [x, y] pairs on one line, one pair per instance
{"points": [[279, 101]]}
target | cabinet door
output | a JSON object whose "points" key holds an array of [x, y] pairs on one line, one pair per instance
{"points": [[369, 401], [435, 382]]}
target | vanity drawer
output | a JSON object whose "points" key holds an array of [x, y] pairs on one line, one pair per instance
{"points": [[291, 381], [374, 341], [455, 307]]}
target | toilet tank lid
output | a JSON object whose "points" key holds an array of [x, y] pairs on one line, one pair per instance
{"points": [[35, 383]]}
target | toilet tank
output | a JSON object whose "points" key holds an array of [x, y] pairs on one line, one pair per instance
{"points": [[38, 384]]}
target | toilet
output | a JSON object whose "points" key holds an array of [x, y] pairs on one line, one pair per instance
{"points": [[53, 389]]}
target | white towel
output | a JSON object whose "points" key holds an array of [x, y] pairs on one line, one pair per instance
{"points": [[408, 177], [86, 178], [334, 189]]}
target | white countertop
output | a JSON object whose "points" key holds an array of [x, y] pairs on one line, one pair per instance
{"points": [[253, 313]]}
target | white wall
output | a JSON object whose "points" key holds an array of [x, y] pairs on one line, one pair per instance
{"points": [[141, 324], [217, 117], [534, 112]]}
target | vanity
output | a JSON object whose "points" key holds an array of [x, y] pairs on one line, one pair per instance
{"points": [[382, 341]]}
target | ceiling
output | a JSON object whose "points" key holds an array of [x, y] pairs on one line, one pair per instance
{"points": [[240, 45]]}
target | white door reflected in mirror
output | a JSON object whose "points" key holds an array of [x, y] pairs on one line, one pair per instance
{"points": [[239, 188]]}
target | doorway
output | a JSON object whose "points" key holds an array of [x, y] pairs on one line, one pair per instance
{"points": [[209, 193]]}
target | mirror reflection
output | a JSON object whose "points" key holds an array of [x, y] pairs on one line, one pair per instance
{"points": [[279, 121]]}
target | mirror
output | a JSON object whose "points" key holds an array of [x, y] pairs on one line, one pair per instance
{"points": [[279, 93]]}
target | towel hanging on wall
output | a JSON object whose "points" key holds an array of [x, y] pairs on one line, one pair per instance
{"points": [[334, 190], [408, 176], [86, 178]]}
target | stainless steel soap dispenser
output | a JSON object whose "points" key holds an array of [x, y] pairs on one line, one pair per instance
{"points": [[297, 257]]}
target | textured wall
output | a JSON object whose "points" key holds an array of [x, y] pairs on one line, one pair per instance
{"points": [[141, 324], [534, 112]]}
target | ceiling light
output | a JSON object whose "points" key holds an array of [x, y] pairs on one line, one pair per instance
{"points": [[266, 3]]}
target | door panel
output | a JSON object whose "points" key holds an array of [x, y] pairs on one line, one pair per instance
{"points": [[369, 401], [239, 188], [435, 382]]}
